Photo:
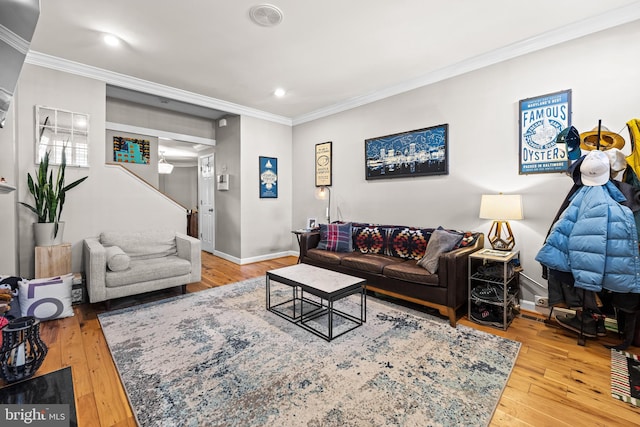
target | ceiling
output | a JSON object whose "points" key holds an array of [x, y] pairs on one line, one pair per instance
{"points": [[329, 56]]}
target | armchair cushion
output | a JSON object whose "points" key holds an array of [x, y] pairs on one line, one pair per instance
{"points": [[142, 245], [149, 270], [117, 260]]}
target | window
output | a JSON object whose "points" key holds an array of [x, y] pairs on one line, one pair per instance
{"points": [[57, 129]]}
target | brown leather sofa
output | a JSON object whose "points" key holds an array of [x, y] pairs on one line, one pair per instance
{"points": [[445, 291]]}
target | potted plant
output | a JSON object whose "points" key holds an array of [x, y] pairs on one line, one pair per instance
{"points": [[49, 195]]}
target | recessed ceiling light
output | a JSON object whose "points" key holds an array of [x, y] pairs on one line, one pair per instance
{"points": [[111, 40], [279, 92]]}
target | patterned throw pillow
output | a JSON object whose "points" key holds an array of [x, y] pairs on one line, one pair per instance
{"points": [[406, 242], [367, 238], [468, 239], [336, 237]]}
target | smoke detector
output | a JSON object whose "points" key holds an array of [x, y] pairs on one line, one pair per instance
{"points": [[266, 15]]}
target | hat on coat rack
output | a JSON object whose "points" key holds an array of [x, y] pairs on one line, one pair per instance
{"points": [[595, 169], [571, 137], [608, 139], [617, 160]]}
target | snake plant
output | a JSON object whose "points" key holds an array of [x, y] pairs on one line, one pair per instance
{"points": [[49, 194]]}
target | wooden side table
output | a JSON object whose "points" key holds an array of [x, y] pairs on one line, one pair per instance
{"points": [[53, 260]]}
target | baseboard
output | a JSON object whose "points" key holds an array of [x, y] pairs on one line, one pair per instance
{"points": [[266, 257]]}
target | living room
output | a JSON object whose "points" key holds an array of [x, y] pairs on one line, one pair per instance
{"points": [[477, 99]]}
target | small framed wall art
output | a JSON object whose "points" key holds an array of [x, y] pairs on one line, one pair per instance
{"points": [[311, 223], [323, 164], [268, 177], [542, 118], [407, 154], [131, 150]]}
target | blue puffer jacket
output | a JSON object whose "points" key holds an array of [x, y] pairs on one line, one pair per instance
{"points": [[595, 238]]}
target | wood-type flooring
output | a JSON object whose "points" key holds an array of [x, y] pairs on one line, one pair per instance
{"points": [[555, 382]]}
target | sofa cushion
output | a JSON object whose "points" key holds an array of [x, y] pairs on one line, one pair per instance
{"points": [[117, 260], [367, 238], [411, 272], [146, 270], [373, 263], [441, 241], [327, 256], [142, 244], [406, 242], [335, 237]]}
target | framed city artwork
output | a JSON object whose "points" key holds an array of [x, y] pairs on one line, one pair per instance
{"points": [[413, 153]]}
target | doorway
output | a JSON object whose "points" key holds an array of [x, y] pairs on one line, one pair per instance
{"points": [[206, 197]]}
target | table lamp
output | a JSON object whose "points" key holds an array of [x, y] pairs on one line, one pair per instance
{"points": [[501, 208]]}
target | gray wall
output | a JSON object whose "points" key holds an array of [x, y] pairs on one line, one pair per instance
{"points": [[266, 223], [228, 203], [181, 185], [481, 109], [119, 111]]}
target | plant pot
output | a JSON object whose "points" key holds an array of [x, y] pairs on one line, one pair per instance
{"points": [[44, 233]]}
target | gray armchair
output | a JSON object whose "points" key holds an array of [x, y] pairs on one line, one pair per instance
{"points": [[119, 264]]}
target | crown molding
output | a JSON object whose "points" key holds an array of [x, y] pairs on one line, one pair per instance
{"points": [[14, 40], [569, 32], [133, 83]]}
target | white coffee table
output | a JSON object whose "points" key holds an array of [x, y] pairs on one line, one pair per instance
{"points": [[328, 287]]}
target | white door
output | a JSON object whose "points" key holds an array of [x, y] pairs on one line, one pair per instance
{"points": [[206, 209]]}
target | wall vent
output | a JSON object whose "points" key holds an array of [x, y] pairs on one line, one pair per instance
{"points": [[266, 15]]}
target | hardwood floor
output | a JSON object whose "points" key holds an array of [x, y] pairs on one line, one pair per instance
{"points": [[555, 382]]}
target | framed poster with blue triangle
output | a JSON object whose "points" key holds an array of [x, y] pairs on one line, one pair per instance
{"points": [[268, 177]]}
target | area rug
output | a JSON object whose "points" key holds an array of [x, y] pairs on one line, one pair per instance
{"points": [[219, 358], [625, 377]]}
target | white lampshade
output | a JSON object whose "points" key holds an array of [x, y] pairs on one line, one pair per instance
{"points": [[501, 207], [163, 166]]}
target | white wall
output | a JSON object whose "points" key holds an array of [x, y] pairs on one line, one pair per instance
{"points": [[265, 223], [8, 201], [481, 109], [110, 199]]}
